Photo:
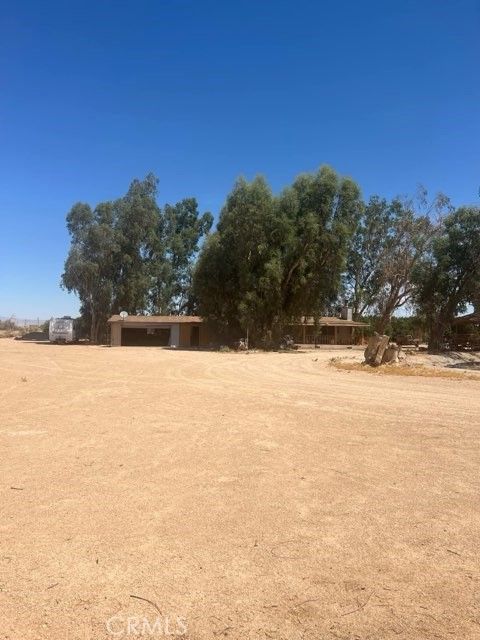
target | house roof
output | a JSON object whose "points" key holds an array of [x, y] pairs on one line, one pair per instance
{"points": [[470, 318], [155, 319], [331, 321], [326, 321]]}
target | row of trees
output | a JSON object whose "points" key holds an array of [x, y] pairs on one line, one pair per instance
{"points": [[129, 254], [274, 258], [447, 278]]}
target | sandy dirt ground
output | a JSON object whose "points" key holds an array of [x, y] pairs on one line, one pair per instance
{"points": [[241, 496]]}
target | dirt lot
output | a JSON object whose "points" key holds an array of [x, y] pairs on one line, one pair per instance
{"points": [[244, 496]]}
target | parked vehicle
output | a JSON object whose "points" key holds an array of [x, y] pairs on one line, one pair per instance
{"points": [[61, 330]]}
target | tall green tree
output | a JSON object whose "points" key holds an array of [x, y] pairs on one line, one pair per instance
{"points": [[320, 213], [367, 254], [129, 255], [237, 279], [448, 278], [274, 259], [181, 229], [89, 268], [136, 224], [390, 240]]}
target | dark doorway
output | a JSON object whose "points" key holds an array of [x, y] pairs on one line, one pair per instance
{"points": [[145, 337], [195, 336]]}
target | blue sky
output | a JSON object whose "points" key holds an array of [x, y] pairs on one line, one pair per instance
{"points": [[94, 94]]}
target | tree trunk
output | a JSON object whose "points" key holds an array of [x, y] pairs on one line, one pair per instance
{"points": [[93, 327], [382, 322], [99, 331], [436, 339]]}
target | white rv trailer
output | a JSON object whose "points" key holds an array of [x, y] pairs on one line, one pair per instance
{"points": [[61, 330]]}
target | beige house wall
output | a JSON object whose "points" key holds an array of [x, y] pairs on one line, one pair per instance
{"points": [[115, 334], [174, 335], [206, 336], [185, 330]]}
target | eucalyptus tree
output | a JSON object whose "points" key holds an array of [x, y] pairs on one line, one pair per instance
{"points": [[392, 237], [237, 278], [136, 223], [320, 213], [448, 278], [181, 229], [272, 260], [90, 265]]}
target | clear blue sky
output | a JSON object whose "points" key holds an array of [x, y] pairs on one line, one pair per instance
{"points": [[94, 94]]}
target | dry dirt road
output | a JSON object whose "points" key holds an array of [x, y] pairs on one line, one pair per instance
{"points": [[244, 496]]}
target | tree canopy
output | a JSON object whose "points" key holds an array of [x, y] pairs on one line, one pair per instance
{"points": [[274, 259], [390, 240], [131, 255], [448, 277]]}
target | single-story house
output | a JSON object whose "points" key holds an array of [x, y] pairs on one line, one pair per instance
{"points": [[472, 319], [331, 331], [159, 331], [466, 332], [193, 331]]}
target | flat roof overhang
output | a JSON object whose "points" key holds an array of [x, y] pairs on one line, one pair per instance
{"points": [[330, 322], [153, 321], [471, 318]]}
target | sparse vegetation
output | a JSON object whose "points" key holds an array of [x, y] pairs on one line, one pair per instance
{"points": [[9, 328], [7, 325], [402, 370]]}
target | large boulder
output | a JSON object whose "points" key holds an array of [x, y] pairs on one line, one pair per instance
{"points": [[375, 350], [391, 354]]}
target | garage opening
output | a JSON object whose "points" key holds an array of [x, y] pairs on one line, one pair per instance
{"points": [[149, 337]]}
